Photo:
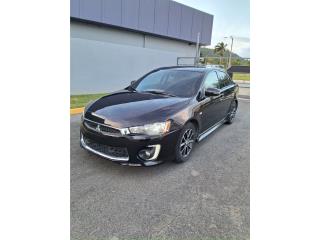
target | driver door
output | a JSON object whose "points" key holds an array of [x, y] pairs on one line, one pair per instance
{"points": [[211, 108]]}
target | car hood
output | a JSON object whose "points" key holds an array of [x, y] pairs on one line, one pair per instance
{"points": [[125, 108]]}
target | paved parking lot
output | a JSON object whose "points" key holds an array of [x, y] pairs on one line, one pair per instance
{"points": [[204, 198]]}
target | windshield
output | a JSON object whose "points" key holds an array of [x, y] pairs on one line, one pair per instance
{"points": [[180, 83]]}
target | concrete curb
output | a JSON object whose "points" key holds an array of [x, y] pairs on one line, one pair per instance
{"points": [[244, 97], [74, 111], [242, 81]]}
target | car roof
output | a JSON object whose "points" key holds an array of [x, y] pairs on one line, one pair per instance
{"points": [[192, 68]]}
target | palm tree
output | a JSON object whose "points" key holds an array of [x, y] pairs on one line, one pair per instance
{"points": [[220, 49]]}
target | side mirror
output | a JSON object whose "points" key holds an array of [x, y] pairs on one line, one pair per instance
{"points": [[132, 82], [230, 74], [210, 92]]}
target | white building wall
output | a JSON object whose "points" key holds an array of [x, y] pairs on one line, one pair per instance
{"points": [[106, 59]]}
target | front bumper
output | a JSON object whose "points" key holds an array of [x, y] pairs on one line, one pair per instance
{"points": [[132, 144]]}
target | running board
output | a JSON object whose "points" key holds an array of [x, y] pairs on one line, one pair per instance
{"points": [[210, 130]]}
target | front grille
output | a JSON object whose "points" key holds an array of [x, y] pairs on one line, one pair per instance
{"points": [[105, 130], [115, 152]]}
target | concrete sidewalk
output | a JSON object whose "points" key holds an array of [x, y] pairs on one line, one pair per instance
{"points": [[244, 90], [242, 81]]}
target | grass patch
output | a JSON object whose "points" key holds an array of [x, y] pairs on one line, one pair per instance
{"points": [[77, 101], [241, 76]]}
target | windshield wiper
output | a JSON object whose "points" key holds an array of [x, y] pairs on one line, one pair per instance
{"points": [[154, 91]]}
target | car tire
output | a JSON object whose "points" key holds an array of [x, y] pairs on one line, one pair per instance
{"points": [[185, 143], [232, 112]]}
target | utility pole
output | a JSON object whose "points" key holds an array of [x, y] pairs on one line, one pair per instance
{"points": [[229, 60], [229, 65], [197, 50]]}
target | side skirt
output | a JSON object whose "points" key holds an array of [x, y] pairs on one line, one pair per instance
{"points": [[210, 130]]}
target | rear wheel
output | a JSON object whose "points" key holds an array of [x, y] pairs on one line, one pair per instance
{"points": [[185, 143], [232, 112]]}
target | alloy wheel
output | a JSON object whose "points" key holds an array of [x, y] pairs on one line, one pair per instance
{"points": [[186, 143]]}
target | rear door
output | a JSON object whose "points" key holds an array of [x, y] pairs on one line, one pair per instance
{"points": [[227, 87]]}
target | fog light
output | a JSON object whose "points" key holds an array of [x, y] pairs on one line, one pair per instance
{"points": [[150, 152]]}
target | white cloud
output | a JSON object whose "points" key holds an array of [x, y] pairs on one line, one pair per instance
{"points": [[244, 52], [241, 46]]}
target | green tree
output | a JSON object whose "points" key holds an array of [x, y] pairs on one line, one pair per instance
{"points": [[220, 49]]}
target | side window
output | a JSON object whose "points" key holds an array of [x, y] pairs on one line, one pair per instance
{"points": [[224, 79], [211, 81]]}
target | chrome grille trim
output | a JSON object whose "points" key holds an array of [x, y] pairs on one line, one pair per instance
{"points": [[101, 130]]}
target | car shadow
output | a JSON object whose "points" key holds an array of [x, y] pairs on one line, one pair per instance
{"points": [[107, 167]]}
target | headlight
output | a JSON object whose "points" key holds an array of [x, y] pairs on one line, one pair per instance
{"points": [[153, 129]]}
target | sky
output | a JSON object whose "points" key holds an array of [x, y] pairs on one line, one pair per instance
{"points": [[231, 18]]}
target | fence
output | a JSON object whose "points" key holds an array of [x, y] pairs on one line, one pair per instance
{"points": [[220, 61]]}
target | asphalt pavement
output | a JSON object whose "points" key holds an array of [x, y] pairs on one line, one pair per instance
{"points": [[205, 198]]}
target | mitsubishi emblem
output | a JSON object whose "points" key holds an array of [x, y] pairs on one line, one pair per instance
{"points": [[98, 128]]}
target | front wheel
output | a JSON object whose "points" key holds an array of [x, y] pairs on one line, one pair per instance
{"points": [[185, 143], [232, 112]]}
